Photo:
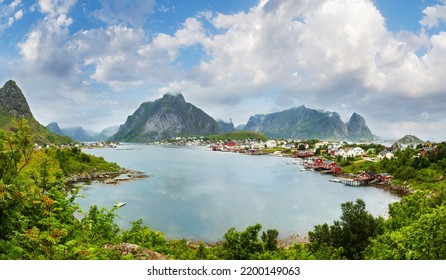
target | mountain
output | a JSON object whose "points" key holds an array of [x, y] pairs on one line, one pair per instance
{"points": [[81, 135], [240, 127], [409, 139], [306, 123], [13, 105], [108, 132], [166, 117], [358, 129], [227, 127], [54, 128], [78, 134]]}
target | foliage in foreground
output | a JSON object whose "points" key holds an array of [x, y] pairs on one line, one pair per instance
{"points": [[38, 220]]}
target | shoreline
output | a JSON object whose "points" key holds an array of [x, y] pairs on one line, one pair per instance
{"points": [[108, 178], [398, 190]]}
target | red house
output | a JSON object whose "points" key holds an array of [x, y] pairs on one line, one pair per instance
{"points": [[384, 177], [424, 150], [230, 144], [367, 176]]}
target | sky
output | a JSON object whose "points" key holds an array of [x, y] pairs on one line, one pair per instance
{"points": [[92, 63]]}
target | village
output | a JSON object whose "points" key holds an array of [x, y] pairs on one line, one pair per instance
{"points": [[325, 157]]}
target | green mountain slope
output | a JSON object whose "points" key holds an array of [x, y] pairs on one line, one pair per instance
{"points": [[306, 123], [166, 117], [13, 106]]}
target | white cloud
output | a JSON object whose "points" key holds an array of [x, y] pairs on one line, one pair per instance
{"points": [[332, 54], [118, 12], [9, 14], [55, 8], [434, 15], [14, 4]]}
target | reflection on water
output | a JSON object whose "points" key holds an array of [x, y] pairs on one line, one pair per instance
{"points": [[198, 194]]}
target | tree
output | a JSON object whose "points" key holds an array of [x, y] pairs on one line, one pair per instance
{"points": [[423, 239], [246, 245], [350, 235]]}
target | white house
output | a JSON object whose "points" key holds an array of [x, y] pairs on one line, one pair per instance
{"points": [[341, 152], [385, 154], [271, 143], [354, 152]]}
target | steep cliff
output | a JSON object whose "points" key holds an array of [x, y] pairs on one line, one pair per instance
{"points": [[166, 117]]}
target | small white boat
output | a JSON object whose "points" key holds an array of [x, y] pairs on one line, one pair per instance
{"points": [[335, 180], [119, 204]]}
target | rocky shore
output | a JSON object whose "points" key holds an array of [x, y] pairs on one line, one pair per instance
{"points": [[109, 178], [399, 190]]}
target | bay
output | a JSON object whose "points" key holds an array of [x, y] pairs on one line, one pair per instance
{"points": [[197, 194]]}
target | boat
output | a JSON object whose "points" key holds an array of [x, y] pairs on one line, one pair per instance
{"points": [[335, 180], [119, 204]]}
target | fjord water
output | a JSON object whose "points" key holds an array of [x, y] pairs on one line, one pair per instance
{"points": [[197, 194]]}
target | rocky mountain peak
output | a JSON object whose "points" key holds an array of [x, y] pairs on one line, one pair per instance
{"points": [[358, 128], [13, 100], [307, 123], [166, 117], [54, 128], [176, 98]]}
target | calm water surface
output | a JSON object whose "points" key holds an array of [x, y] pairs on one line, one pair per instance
{"points": [[197, 194]]}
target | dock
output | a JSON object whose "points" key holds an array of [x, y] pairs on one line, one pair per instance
{"points": [[351, 182]]}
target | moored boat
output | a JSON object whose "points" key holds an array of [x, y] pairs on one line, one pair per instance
{"points": [[119, 204], [335, 180]]}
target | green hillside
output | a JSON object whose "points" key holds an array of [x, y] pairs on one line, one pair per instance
{"points": [[239, 135], [13, 107]]}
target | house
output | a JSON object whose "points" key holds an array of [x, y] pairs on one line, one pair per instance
{"points": [[257, 146], [304, 154], [230, 144], [354, 152], [367, 176], [331, 165], [271, 143], [341, 153], [384, 177], [289, 146], [424, 150], [314, 163], [321, 164], [385, 154]]}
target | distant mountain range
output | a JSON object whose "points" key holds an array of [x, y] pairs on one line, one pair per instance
{"points": [[306, 123], [172, 116], [166, 117], [81, 135], [13, 105]]}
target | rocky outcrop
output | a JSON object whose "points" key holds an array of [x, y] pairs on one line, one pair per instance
{"points": [[136, 251], [226, 127], [164, 118], [13, 101], [358, 129], [109, 178]]}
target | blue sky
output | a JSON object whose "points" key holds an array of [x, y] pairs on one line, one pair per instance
{"points": [[92, 63]]}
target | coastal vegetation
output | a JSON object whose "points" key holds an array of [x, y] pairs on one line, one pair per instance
{"points": [[42, 220], [239, 135]]}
